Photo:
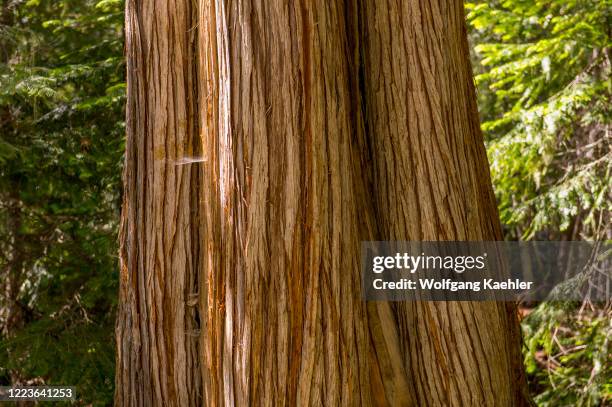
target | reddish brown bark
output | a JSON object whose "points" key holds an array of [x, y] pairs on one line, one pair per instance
{"points": [[319, 125]]}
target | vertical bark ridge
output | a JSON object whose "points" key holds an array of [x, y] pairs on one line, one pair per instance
{"points": [[156, 330], [432, 183], [285, 209]]}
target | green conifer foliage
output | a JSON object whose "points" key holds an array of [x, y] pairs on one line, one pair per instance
{"points": [[61, 142], [544, 69]]}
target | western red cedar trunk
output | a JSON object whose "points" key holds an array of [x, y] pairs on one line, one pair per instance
{"points": [[285, 209], [316, 124], [157, 336], [432, 182]]}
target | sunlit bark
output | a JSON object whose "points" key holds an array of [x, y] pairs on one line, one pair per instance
{"points": [[310, 127]]}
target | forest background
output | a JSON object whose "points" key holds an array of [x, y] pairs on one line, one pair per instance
{"points": [[542, 70]]}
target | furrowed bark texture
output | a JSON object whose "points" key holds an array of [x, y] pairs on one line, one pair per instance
{"points": [[284, 211], [320, 124], [157, 344], [432, 183]]}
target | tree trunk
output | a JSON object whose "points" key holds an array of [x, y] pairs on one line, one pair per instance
{"points": [[157, 360], [433, 183], [314, 126], [285, 209]]}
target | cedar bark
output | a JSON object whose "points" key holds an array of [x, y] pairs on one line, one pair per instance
{"points": [[285, 211], [157, 360], [318, 124], [430, 164]]}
